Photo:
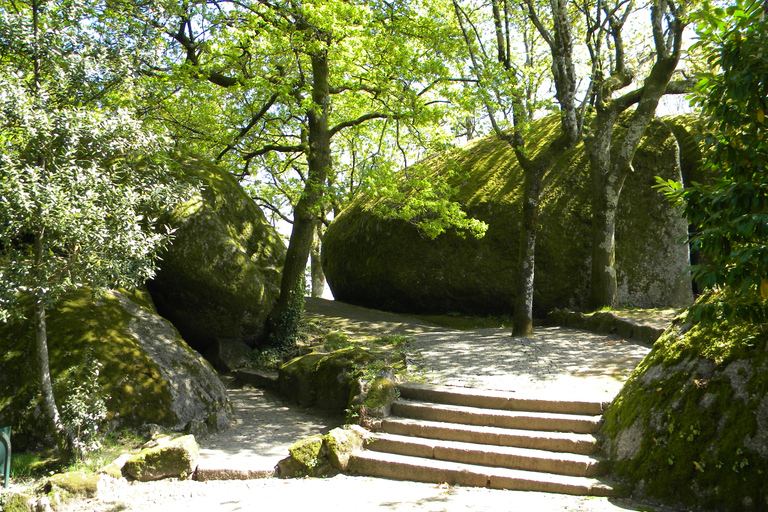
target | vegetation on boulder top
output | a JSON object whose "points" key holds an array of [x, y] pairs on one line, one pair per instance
{"points": [[389, 264]]}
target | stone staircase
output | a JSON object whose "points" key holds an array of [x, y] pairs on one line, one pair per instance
{"points": [[480, 438]]}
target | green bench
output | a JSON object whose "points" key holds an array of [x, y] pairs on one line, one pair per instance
{"points": [[5, 453]]}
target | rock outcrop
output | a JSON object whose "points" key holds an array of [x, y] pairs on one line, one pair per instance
{"points": [[389, 264], [690, 426], [147, 373], [221, 276]]}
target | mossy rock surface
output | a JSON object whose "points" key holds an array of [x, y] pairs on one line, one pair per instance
{"points": [[221, 275], [75, 483], [690, 426], [341, 443], [328, 381], [389, 264], [148, 373], [177, 458]]}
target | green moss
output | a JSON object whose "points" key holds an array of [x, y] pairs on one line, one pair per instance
{"points": [[388, 264], [14, 502], [81, 326], [340, 444], [221, 276], [699, 400], [176, 458], [309, 457], [75, 483]]}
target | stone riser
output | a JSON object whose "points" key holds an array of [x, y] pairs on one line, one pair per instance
{"points": [[566, 442], [502, 400], [399, 467], [551, 422], [485, 455]]}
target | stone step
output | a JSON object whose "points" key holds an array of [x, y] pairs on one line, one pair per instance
{"points": [[504, 400], [486, 455], [552, 422], [568, 442], [401, 467]]}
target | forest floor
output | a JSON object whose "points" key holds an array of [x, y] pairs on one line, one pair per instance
{"points": [[562, 361]]}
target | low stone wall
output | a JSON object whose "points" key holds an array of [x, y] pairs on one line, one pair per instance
{"points": [[606, 322]]}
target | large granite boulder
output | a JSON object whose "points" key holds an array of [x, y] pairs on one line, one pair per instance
{"points": [[690, 426], [389, 264], [221, 276], [148, 375]]}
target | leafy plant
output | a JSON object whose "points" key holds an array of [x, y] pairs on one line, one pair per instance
{"points": [[729, 219], [85, 407]]}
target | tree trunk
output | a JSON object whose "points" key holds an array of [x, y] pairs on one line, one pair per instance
{"points": [[284, 318], [523, 318], [604, 286], [316, 266], [50, 409]]}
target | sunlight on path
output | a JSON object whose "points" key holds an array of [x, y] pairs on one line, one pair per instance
{"points": [[559, 361]]}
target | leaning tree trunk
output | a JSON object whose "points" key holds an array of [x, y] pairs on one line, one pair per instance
{"points": [[284, 318]]}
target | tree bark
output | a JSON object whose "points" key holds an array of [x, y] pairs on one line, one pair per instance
{"points": [[611, 161], [284, 319], [50, 409], [316, 266], [523, 317]]}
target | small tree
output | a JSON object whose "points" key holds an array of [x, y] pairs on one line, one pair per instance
{"points": [[77, 179], [730, 216]]}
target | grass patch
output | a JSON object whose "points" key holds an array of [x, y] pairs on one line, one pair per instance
{"points": [[31, 466]]}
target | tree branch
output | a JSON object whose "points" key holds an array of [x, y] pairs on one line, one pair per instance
{"points": [[244, 130], [358, 121], [274, 147]]}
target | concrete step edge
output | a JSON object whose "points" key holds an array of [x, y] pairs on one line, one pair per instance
{"points": [[400, 467], [487, 455], [584, 444], [497, 418], [504, 400]]}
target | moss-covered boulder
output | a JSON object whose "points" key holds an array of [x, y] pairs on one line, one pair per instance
{"points": [[325, 380], [379, 398], [75, 483], [691, 424], [343, 442], [389, 264], [174, 458], [147, 374], [221, 275], [306, 457]]}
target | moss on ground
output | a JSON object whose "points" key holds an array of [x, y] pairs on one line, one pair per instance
{"points": [[691, 424]]}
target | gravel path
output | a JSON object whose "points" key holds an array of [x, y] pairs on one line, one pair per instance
{"points": [[560, 361]]}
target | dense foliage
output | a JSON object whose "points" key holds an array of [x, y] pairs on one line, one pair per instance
{"points": [[730, 215]]}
